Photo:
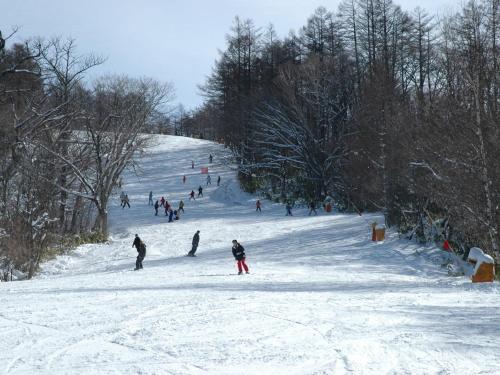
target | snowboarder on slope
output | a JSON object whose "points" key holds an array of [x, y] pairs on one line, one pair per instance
{"points": [[150, 198], [141, 250], [239, 255], [157, 205], [196, 241]]}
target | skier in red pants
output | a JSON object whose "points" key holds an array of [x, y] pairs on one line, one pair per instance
{"points": [[239, 255]]}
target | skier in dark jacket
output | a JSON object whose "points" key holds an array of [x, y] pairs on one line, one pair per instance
{"points": [[239, 255], [312, 208], [141, 249], [200, 191], [126, 201], [170, 215], [218, 181], [191, 195], [157, 205], [196, 241]]}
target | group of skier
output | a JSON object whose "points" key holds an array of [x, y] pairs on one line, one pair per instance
{"points": [[237, 249], [289, 205], [172, 213]]}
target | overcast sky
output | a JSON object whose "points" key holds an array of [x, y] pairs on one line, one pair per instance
{"points": [[170, 40]]}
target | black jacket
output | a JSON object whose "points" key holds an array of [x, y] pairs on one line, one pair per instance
{"points": [[238, 252], [196, 239], [137, 243]]}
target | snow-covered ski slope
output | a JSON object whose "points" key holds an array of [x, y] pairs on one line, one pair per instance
{"points": [[321, 297]]}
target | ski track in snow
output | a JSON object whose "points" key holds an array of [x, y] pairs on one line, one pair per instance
{"points": [[321, 297]]}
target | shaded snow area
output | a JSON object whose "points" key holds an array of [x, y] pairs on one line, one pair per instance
{"points": [[321, 298]]}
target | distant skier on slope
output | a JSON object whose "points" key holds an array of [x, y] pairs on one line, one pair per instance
{"points": [[181, 206], [218, 181], [258, 205], [150, 202], [312, 208], [141, 250], [157, 205], [184, 179], [191, 195], [210, 158], [209, 180], [239, 255], [288, 209], [196, 241], [200, 191], [126, 201]]}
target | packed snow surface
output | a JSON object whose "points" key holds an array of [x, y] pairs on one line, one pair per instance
{"points": [[321, 298]]}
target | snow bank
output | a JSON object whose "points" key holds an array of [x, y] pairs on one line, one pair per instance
{"points": [[230, 192]]}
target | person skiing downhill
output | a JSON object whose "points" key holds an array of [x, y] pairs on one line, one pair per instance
{"points": [[184, 179], [257, 205], [239, 255], [196, 241], [192, 164], [126, 201], [191, 195], [210, 158], [170, 215], [141, 250], [288, 209], [312, 208], [162, 201], [181, 206], [150, 202], [209, 180], [157, 205], [218, 181], [200, 191]]}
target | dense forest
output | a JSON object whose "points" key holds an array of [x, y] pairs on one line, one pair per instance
{"points": [[63, 146], [381, 108]]}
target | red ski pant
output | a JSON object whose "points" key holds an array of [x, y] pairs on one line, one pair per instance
{"points": [[241, 263]]}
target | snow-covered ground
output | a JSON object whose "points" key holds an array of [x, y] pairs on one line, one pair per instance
{"points": [[321, 297]]}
